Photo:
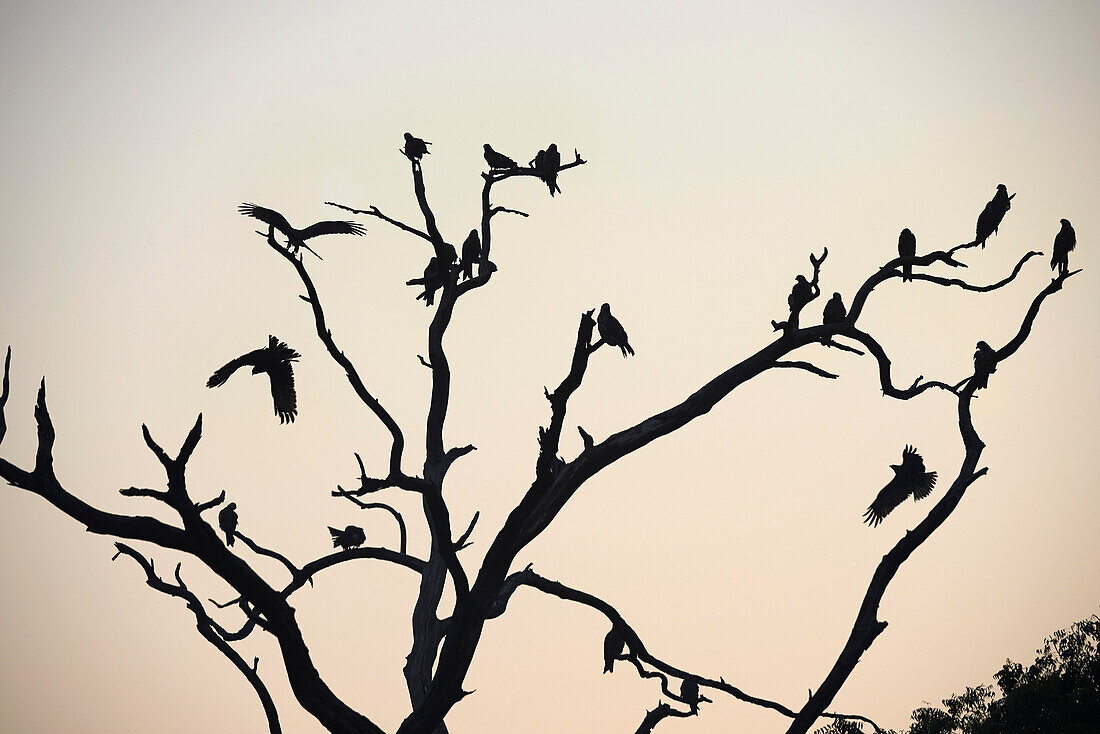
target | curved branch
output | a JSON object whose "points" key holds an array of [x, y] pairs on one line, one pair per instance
{"points": [[341, 359], [382, 554], [396, 516], [209, 629], [4, 393], [797, 364], [294, 570], [375, 212]]}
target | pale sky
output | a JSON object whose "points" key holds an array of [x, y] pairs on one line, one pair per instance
{"points": [[726, 141]]}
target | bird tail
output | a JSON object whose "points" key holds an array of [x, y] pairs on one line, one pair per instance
{"points": [[627, 349], [335, 536], [228, 538], [907, 273], [609, 665]]}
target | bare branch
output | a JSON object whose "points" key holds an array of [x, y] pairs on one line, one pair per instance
{"points": [[4, 393], [141, 492], [209, 629], [190, 442], [162, 457], [403, 539], [423, 361], [462, 539], [806, 366], [654, 717], [204, 506], [349, 369], [499, 209], [294, 570], [383, 554], [374, 212], [457, 453]]}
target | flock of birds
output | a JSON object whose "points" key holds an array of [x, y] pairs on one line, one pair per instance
{"points": [[910, 479]]}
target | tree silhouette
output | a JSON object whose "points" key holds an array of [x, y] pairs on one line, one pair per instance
{"points": [[446, 636]]}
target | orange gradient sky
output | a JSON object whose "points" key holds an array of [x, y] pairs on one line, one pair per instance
{"points": [[726, 141]]}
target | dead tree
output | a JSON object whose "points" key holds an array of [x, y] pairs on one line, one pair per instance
{"points": [[445, 640]]}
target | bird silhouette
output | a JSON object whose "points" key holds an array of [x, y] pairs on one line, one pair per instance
{"points": [[415, 148], [1064, 243], [990, 218], [801, 293], [689, 694], [274, 359], [471, 253], [498, 160], [350, 537], [985, 364], [612, 332], [296, 238], [546, 164], [834, 312], [434, 278], [613, 646], [227, 521], [907, 247], [910, 478]]}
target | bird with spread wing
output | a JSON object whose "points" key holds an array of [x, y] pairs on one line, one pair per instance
{"points": [[296, 238], [274, 359], [910, 478]]}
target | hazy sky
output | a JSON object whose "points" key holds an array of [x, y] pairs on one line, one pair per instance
{"points": [[726, 141]]}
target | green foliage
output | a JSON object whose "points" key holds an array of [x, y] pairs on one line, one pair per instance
{"points": [[1057, 694]]}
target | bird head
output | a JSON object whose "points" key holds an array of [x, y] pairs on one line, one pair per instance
{"points": [[1065, 222], [553, 147], [488, 147], [836, 296], [408, 137], [1002, 187], [984, 347], [906, 232], [605, 308], [800, 279], [231, 506]]}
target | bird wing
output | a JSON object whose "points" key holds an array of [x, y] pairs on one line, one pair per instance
{"points": [[892, 495], [267, 216], [332, 228], [923, 485], [611, 330], [279, 351], [1065, 241], [282, 391], [218, 378]]}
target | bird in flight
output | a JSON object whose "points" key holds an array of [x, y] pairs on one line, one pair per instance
{"points": [[497, 160], [612, 332], [834, 312], [990, 218], [613, 646], [907, 247], [227, 521], [910, 478], [274, 359], [1064, 243], [415, 148], [296, 238], [350, 537]]}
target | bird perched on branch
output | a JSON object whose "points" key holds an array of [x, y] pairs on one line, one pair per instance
{"points": [[907, 247], [274, 359], [435, 275], [990, 218], [834, 312], [910, 478], [547, 163], [612, 332], [689, 694], [613, 646], [985, 364], [471, 253], [296, 238], [498, 160], [350, 537], [1064, 243], [801, 293], [415, 148], [227, 521]]}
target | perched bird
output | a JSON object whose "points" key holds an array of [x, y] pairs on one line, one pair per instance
{"points": [[498, 160], [834, 312], [274, 359], [350, 537], [985, 364], [227, 521], [910, 478], [415, 148], [471, 253], [801, 293], [1064, 242], [611, 331], [613, 646], [546, 164], [990, 218], [689, 694], [907, 247], [296, 238], [434, 278]]}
